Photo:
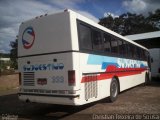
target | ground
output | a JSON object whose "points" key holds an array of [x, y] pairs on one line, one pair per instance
{"points": [[138, 102], [8, 81]]}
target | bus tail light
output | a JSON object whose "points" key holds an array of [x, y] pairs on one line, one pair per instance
{"points": [[20, 78], [71, 78]]}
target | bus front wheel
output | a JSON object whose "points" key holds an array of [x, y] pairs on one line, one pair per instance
{"points": [[114, 89]]}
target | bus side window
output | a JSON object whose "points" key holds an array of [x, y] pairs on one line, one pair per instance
{"points": [[142, 54], [97, 40], [146, 55], [114, 45], [107, 43], [120, 46], [85, 37], [134, 54], [125, 48], [131, 50], [138, 52]]}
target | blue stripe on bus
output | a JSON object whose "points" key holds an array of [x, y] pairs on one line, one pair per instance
{"points": [[98, 60], [105, 61]]}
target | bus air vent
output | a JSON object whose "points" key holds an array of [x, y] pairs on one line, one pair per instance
{"points": [[28, 79], [91, 89]]}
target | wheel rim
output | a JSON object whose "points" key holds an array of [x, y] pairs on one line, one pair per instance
{"points": [[114, 89]]}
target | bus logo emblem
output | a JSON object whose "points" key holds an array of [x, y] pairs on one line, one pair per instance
{"points": [[28, 37]]}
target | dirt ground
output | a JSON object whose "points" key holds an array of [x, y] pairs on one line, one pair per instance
{"points": [[139, 103], [8, 82]]}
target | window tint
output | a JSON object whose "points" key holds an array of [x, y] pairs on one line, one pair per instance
{"points": [[143, 56], [138, 52], [125, 48], [146, 54], [120, 45], [85, 37], [130, 50], [107, 43], [97, 40], [114, 45]]}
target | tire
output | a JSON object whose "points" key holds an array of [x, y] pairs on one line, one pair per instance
{"points": [[114, 90]]}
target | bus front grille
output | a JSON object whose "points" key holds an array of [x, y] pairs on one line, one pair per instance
{"points": [[91, 89], [28, 79]]}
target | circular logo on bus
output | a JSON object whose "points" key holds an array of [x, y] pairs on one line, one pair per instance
{"points": [[28, 37]]}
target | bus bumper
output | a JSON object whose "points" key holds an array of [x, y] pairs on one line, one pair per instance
{"points": [[50, 99]]}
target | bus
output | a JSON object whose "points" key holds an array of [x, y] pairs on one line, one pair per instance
{"points": [[68, 59]]}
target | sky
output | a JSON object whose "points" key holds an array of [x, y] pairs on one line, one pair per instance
{"points": [[14, 12]]}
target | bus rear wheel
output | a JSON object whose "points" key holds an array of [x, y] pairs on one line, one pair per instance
{"points": [[114, 89]]}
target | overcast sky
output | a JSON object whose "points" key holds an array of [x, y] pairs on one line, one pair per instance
{"points": [[13, 12]]}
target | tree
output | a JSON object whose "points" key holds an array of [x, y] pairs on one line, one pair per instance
{"points": [[129, 23], [13, 54], [4, 64], [154, 18]]}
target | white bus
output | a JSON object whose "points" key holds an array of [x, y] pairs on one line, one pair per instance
{"points": [[66, 58]]}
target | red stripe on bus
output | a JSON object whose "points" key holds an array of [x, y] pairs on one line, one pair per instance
{"points": [[112, 71]]}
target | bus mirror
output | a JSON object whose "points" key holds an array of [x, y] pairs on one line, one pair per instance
{"points": [[151, 60]]}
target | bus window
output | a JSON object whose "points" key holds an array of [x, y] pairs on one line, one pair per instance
{"points": [[125, 48], [97, 40], [114, 45], [146, 55], [135, 52], [143, 56], [85, 37], [131, 50], [138, 52], [120, 46], [107, 43]]}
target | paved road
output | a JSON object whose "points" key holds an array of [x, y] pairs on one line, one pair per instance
{"points": [[139, 100]]}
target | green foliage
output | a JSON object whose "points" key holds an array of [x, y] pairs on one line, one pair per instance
{"points": [[4, 55], [4, 64], [13, 54], [154, 18], [129, 23]]}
